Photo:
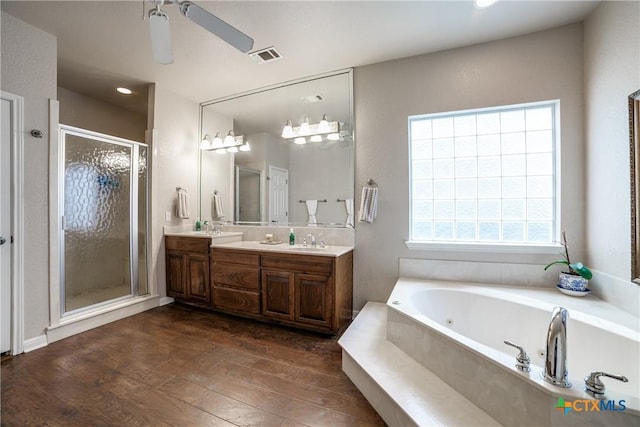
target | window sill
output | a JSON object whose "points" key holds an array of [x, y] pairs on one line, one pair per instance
{"points": [[488, 248]]}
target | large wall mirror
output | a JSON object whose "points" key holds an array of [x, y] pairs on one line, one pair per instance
{"points": [[634, 148], [297, 176]]}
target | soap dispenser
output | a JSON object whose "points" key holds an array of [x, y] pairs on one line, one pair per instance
{"points": [[292, 237]]}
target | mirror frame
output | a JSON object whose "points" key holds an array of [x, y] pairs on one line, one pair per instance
{"points": [[348, 71], [634, 150]]}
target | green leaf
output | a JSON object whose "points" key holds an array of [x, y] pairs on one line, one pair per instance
{"points": [[583, 271], [560, 261]]}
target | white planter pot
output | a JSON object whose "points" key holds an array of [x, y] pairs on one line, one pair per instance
{"points": [[573, 282]]}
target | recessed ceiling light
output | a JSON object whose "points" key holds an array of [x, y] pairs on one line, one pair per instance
{"points": [[484, 3], [124, 90]]}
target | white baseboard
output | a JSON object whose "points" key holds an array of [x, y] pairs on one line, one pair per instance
{"points": [[77, 324], [165, 301], [34, 343]]}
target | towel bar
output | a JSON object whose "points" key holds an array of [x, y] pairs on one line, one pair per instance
{"points": [[319, 201]]}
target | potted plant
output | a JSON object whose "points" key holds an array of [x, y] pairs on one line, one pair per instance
{"points": [[577, 278]]}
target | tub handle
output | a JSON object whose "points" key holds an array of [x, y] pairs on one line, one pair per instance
{"points": [[522, 360], [595, 387]]}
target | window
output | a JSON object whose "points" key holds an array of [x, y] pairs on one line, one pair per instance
{"points": [[485, 176]]}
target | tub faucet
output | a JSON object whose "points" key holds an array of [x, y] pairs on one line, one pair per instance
{"points": [[555, 364]]}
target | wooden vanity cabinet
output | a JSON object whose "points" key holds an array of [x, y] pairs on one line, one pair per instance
{"points": [[235, 276], [187, 265]]}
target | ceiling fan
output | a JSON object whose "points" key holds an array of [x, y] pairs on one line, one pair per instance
{"points": [[161, 35]]}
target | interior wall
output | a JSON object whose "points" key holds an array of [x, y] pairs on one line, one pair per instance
{"points": [[175, 148], [612, 73], [88, 113], [540, 66], [29, 69]]}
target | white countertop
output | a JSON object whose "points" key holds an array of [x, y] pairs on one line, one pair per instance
{"points": [[329, 250], [223, 237]]}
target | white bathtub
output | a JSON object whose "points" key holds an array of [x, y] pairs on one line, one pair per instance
{"points": [[457, 330]]}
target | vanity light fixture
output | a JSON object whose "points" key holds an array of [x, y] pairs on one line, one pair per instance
{"points": [[333, 136], [206, 143], [315, 131], [245, 147], [300, 140], [230, 144], [229, 139]]}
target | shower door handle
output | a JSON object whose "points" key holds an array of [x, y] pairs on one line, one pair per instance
{"points": [[2, 241]]}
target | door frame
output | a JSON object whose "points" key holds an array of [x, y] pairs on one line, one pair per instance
{"points": [[17, 220]]}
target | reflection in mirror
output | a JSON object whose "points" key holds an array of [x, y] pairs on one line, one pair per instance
{"points": [[634, 146], [283, 170]]}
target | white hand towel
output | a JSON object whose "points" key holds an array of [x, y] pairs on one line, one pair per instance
{"points": [[217, 209], [368, 204], [312, 207], [348, 204], [182, 209]]}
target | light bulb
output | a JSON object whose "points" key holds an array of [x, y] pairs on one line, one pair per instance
{"points": [[229, 139], [305, 129], [217, 141], [245, 147], [221, 150], [232, 150], [316, 138], [333, 136], [300, 140], [287, 131], [206, 143], [323, 126]]}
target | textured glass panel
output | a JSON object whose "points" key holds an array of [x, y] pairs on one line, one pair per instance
{"points": [[539, 164], [422, 189], [421, 149], [539, 118], [514, 165], [512, 143], [540, 209], [443, 189], [420, 129], [422, 209], [514, 187], [466, 209], [540, 186], [465, 230], [512, 121], [466, 189], [466, 167], [97, 216], [442, 147], [489, 231], [464, 125], [489, 145], [488, 123], [540, 141], [489, 209], [443, 127], [422, 169], [539, 231], [465, 146], [143, 286], [489, 188], [443, 230], [513, 209], [513, 231], [443, 209], [443, 168], [422, 230], [489, 166]]}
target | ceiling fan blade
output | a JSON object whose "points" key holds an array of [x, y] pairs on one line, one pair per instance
{"points": [[217, 26], [160, 37]]}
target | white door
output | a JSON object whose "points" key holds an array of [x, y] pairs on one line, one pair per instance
{"points": [[5, 227], [278, 195]]}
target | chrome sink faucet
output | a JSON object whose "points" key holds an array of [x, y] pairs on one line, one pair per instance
{"points": [[312, 240], [555, 364]]}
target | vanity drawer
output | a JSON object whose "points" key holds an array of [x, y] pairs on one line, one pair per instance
{"points": [[299, 263], [236, 276], [236, 300], [235, 257], [187, 244]]}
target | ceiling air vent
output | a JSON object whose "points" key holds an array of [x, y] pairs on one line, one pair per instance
{"points": [[265, 55]]}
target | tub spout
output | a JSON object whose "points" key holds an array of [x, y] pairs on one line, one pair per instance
{"points": [[555, 365]]}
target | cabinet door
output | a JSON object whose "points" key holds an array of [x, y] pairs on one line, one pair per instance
{"points": [[176, 275], [313, 294], [198, 281], [277, 294]]}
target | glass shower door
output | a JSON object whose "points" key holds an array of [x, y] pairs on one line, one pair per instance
{"points": [[100, 211]]}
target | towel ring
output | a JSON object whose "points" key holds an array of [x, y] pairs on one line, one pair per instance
{"points": [[371, 183], [180, 189]]}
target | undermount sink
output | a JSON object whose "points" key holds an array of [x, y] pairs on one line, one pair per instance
{"points": [[306, 248]]}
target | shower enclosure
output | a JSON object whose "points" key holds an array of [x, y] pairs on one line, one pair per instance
{"points": [[104, 204]]}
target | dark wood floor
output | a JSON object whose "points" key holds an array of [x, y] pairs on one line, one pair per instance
{"points": [[177, 365]]}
